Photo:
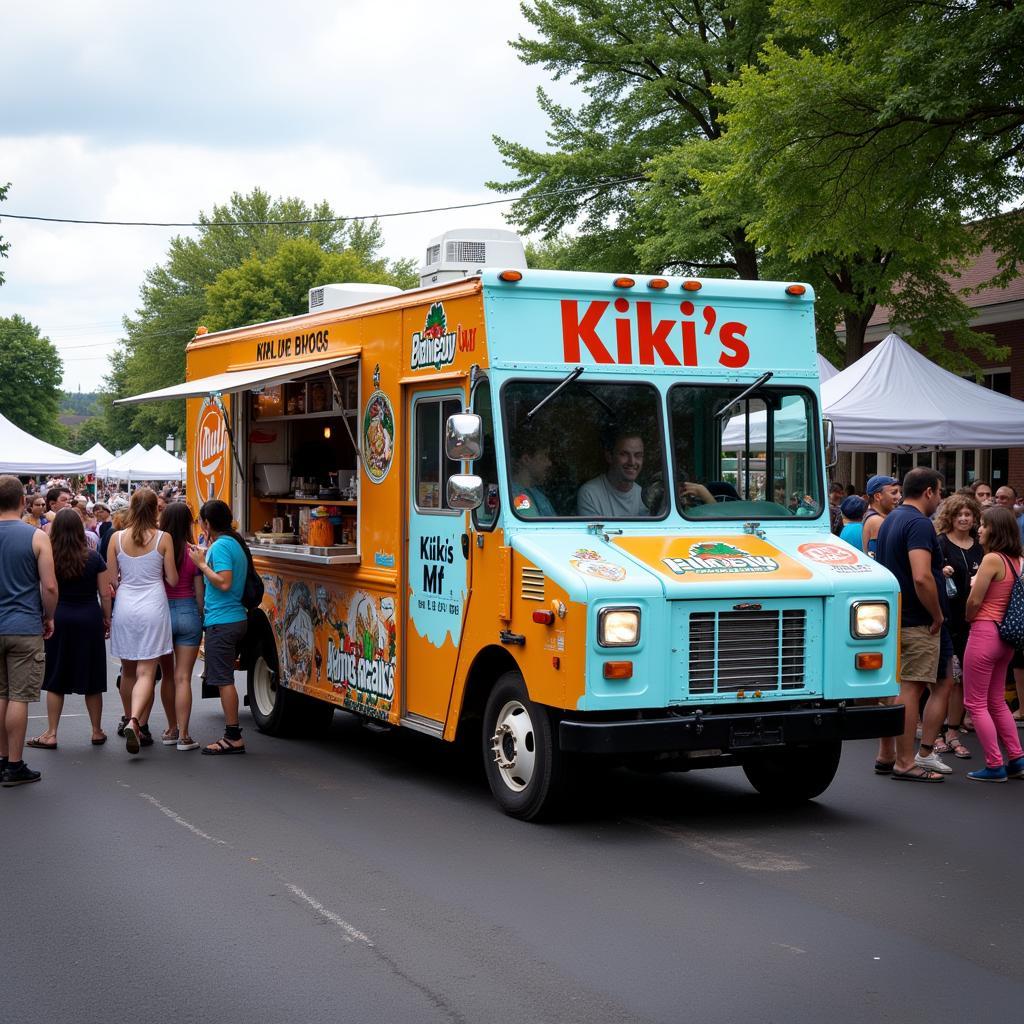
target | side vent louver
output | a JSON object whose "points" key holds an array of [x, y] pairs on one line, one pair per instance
{"points": [[316, 298], [532, 584]]}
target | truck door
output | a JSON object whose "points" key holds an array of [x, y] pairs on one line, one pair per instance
{"points": [[436, 562]]}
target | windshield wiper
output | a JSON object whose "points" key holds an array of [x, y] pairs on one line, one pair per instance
{"points": [[547, 398], [756, 386]]}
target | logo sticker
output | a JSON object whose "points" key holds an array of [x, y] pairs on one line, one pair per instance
{"points": [[590, 563], [720, 557], [521, 503], [434, 346], [210, 472], [836, 558], [378, 445]]}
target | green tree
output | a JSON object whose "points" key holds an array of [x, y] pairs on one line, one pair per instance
{"points": [[4, 246], [174, 295], [30, 385], [872, 146], [647, 70]]}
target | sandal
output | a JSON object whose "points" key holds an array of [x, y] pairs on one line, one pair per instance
{"points": [[957, 749], [918, 774], [132, 736], [884, 767], [222, 746], [940, 746], [169, 737], [187, 743], [121, 725], [38, 743]]}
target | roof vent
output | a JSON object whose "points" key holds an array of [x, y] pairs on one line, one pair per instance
{"points": [[337, 296], [466, 251]]}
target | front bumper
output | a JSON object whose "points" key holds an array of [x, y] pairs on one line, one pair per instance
{"points": [[729, 732]]}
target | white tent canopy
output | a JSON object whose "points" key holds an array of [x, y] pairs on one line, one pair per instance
{"points": [[826, 371], [894, 399], [139, 464], [100, 454], [21, 454]]}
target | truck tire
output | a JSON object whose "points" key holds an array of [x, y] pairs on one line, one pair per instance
{"points": [[525, 769], [794, 774], [279, 711]]}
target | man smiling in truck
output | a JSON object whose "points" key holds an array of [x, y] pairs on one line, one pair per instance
{"points": [[616, 493]]}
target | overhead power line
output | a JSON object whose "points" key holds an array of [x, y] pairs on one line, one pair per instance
{"points": [[318, 220]]}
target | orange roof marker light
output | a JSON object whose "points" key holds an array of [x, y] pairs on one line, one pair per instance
{"points": [[200, 331], [511, 276], [795, 289], [657, 283], [692, 286], [623, 282]]}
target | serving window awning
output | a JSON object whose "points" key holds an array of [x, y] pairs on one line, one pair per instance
{"points": [[232, 381]]}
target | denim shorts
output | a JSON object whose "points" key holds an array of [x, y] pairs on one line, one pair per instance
{"points": [[186, 625]]}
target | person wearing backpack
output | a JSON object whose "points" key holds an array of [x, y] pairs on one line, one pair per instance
{"points": [[988, 655], [225, 566]]}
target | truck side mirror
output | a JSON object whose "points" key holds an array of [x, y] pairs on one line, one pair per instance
{"points": [[464, 437], [831, 444], [464, 491]]}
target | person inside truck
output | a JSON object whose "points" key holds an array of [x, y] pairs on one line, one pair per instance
{"points": [[530, 468], [616, 493]]}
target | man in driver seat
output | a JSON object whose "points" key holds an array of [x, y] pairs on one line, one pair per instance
{"points": [[616, 493]]}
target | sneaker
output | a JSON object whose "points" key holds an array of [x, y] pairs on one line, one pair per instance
{"points": [[988, 774], [131, 738], [1015, 768], [933, 763], [19, 776], [145, 736], [187, 743]]}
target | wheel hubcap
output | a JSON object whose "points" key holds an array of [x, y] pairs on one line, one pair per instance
{"points": [[514, 746], [264, 687]]}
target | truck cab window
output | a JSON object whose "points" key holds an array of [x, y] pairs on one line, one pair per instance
{"points": [[433, 467], [758, 457], [593, 451]]}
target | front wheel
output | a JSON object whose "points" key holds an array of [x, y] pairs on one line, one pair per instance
{"points": [[279, 711], [525, 769], [794, 774]]}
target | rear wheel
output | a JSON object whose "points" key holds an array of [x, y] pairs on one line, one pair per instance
{"points": [[526, 771], [279, 711], [794, 774]]}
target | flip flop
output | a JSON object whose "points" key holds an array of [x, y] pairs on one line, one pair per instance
{"points": [[918, 774], [884, 767], [100, 741], [223, 747], [37, 743]]}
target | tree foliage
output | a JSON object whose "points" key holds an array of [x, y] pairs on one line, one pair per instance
{"points": [[30, 385], [647, 71], [177, 294]]}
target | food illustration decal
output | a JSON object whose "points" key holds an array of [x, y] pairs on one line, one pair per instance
{"points": [[378, 436]]}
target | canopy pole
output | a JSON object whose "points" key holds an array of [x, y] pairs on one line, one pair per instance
{"points": [[219, 402]]}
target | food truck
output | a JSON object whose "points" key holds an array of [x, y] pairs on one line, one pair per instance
{"points": [[563, 516]]}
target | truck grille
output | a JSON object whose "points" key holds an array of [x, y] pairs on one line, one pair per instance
{"points": [[747, 650]]}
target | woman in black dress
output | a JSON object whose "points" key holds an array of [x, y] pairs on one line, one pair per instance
{"points": [[76, 659], [957, 523]]}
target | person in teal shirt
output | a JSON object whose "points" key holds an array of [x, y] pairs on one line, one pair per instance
{"points": [[853, 509], [530, 469], [224, 566]]}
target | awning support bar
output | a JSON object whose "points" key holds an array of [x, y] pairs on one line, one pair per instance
{"points": [[339, 402], [219, 402]]}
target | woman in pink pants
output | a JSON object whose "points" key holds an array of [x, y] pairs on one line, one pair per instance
{"points": [[987, 656]]}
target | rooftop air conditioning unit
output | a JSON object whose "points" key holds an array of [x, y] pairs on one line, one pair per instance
{"points": [[466, 251], [337, 296]]}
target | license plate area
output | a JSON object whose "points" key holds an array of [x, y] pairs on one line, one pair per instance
{"points": [[754, 736]]}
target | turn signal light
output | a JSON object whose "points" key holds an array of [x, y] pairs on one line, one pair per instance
{"points": [[544, 617], [510, 275], [869, 662], [691, 286], [618, 670], [795, 289], [623, 282], [657, 283]]}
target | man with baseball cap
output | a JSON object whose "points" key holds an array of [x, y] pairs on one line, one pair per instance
{"points": [[883, 496]]}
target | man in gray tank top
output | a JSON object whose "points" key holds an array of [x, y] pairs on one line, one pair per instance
{"points": [[28, 598]]}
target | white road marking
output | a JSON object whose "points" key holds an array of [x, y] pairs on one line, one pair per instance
{"points": [[32, 718], [178, 820], [350, 933], [793, 949]]}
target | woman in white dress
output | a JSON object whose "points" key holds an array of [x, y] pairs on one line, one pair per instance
{"points": [[141, 558]]}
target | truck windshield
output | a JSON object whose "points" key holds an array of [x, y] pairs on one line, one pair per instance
{"points": [[759, 460], [594, 451]]}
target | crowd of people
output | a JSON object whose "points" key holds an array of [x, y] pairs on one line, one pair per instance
{"points": [[956, 558], [74, 573]]}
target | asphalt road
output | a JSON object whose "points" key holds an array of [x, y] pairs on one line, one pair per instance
{"points": [[369, 877]]}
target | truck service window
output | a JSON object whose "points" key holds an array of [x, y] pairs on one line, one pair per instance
{"points": [[758, 457], [591, 451]]}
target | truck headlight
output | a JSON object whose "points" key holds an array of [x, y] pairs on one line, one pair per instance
{"points": [[618, 627], [869, 619]]}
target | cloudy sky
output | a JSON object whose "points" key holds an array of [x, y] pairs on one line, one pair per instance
{"points": [[114, 110]]}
